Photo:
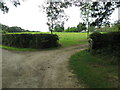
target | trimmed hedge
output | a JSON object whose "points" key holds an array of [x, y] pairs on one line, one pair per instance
{"points": [[107, 43], [30, 40], [110, 39]]}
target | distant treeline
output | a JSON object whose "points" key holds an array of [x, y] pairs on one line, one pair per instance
{"points": [[81, 27], [7, 29]]}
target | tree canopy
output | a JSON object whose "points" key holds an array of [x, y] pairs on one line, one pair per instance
{"points": [[6, 28], [5, 8], [55, 14]]}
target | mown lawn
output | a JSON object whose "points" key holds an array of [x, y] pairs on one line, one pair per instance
{"points": [[94, 71], [69, 39]]}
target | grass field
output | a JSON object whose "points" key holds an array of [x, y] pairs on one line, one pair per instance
{"points": [[94, 71], [69, 39], [65, 39]]}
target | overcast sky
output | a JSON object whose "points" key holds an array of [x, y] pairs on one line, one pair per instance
{"points": [[29, 16]]}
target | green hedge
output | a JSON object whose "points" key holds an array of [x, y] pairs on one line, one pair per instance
{"points": [[107, 43], [30, 40]]}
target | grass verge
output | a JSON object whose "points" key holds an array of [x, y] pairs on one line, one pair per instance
{"points": [[94, 71], [17, 49]]}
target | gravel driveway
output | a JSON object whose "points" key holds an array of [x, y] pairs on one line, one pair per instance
{"points": [[39, 69]]}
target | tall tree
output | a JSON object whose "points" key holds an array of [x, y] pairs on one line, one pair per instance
{"points": [[102, 11], [59, 28], [86, 14], [55, 14], [99, 12], [5, 8], [81, 27]]}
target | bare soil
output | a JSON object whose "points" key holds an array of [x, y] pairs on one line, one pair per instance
{"points": [[39, 69]]}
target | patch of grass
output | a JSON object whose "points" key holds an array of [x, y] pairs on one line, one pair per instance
{"points": [[17, 49], [69, 39], [91, 70]]}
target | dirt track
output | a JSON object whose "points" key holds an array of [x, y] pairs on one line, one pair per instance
{"points": [[39, 69]]}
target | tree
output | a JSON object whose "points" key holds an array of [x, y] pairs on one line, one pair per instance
{"points": [[71, 29], [4, 28], [116, 26], [15, 29], [92, 28], [55, 14], [86, 15], [59, 28], [102, 11], [81, 27], [5, 8], [99, 11]]}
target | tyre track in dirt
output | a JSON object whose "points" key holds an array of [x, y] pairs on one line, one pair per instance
{"points": [[39, 69]]}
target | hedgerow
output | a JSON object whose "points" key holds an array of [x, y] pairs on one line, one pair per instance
{"points": [[106, 40], [30, 40], [106, 44]]}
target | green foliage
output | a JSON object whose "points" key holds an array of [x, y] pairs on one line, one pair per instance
{"points": [[102, 10], [3, 31], [15, 29], [105, 40], [106, 44], [116, 26], [55, 14], [107, 28], [5, 8], [30, 40], [71, 29], [94, 71], [81, 27], [59, 28], [96, 40], [6, 29], [92, 28]]}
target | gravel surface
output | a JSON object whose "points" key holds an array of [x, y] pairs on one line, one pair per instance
{"points": [[39, 69]]}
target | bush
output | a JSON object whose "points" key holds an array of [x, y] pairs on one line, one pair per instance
{"points": [[30, 40], [97, 40], [106, 44], [105, 40]]}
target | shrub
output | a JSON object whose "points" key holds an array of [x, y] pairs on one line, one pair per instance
{"points": [[30, 40], [106, 40], [106, 44], [96, 37]]}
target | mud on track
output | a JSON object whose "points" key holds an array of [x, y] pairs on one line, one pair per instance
{"points": [[39, 69]]}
